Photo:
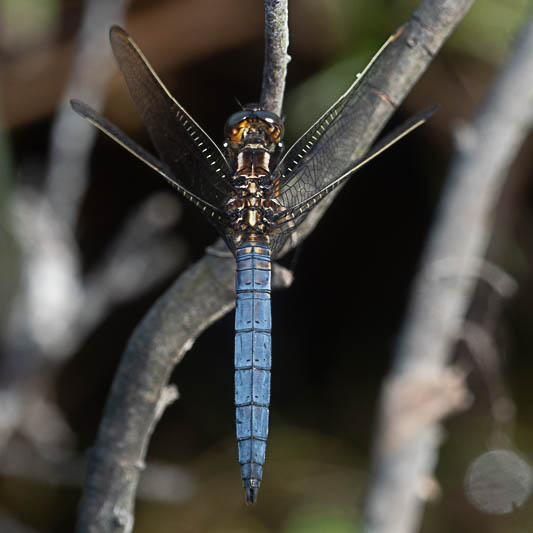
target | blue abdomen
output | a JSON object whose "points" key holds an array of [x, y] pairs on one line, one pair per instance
{"points": [[253, 351]]}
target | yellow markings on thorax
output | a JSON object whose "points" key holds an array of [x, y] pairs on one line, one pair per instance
{"points": [[251, 217]]}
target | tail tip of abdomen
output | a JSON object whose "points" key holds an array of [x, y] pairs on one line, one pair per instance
{"points": [[251, 488]]}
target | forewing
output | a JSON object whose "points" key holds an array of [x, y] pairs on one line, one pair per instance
{"points": [[214, 213], [194, 159], [326, 150], [294, 215]]}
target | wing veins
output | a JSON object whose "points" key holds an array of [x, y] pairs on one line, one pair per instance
{"points": [[318, 127], [123, 35], [138, 151], [389, 140]]}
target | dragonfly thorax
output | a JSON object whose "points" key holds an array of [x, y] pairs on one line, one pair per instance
{"points": [[252, 217], [252, 210], [253, 147]]}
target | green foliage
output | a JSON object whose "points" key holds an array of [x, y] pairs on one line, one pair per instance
{"points": [[29, 20]]}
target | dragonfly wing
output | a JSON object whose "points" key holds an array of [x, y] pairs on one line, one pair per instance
{"points": [[392, 138], [146, 157], [326, 149], [194, 159], [294, 214]]}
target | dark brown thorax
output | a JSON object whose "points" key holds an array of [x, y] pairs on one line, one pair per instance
{"points": [[253, 148]]}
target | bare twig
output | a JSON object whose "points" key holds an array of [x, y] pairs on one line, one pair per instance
{"points": [[156, 346], [276, 57], [461, 233], [485, 353], [206, 292]]}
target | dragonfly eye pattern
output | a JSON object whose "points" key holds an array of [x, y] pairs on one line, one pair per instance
{"points": [[255, 120], [255, 195]]}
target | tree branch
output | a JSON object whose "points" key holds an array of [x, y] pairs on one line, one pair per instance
{"points": [[434, 321], [200, 296], [276, 57]]}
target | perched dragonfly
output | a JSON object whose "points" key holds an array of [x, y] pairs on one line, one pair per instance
{"points": [[255, 195]]}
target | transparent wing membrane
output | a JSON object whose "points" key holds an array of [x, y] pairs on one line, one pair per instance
{"points": [[391, 139], [194, 159], [322, 159], [326, 149], [146, 157], [294, 214]]}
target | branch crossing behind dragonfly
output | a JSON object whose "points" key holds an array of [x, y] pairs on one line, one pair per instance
{"points": [[255, 194]]}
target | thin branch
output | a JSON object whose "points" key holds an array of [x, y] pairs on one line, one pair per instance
{"points": [[485, 353], [276, 57], [461, 233], [205, 292]]}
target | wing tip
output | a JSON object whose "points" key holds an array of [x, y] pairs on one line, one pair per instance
{"points": [[431, 111], [79, 107], [117, 32]]}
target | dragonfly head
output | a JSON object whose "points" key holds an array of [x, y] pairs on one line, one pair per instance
{"points": [[254, 125]]}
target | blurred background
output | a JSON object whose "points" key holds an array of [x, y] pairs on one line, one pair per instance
{"points": [[86, 249]]}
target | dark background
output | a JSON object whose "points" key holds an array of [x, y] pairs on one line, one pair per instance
{"points": [[334, 330]]}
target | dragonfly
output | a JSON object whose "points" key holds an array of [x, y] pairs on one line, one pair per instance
{"points": [[256, 194]]}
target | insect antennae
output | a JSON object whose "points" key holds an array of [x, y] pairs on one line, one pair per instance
{"points": [[239, 103]]}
